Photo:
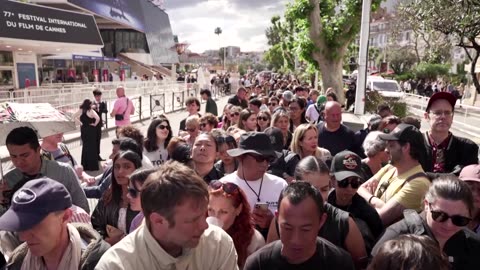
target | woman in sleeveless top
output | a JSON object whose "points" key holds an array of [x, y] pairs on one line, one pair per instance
{"points": [[89, 120]]}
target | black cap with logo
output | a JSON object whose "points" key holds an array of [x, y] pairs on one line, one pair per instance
{"points": [[346, 164]]}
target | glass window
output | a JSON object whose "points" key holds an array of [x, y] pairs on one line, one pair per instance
{"points": [[6, 58]]}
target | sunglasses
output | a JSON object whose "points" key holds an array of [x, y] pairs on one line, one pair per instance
{"points": [[457, 220], [260, 159], [262, 118], [162, 127], [234, 114], [133, 192], [354, 182], [190, 129], [202, 125], [225, 139], [229, 188], [272, 104]]}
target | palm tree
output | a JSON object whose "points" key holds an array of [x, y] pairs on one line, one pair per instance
{"points": [[218, 31]]}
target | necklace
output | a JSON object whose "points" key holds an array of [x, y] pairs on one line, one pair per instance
{"points": [[250, 187]]}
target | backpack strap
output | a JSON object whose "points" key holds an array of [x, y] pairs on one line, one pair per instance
{"points": [[66, 153], [413, 176]]}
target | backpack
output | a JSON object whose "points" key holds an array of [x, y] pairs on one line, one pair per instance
{"points": [[65, 153]]}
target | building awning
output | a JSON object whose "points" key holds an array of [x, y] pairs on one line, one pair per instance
{"points": [[46, 30]]}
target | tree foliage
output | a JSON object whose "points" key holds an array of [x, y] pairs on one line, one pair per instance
{"points": [[319, 32], [281, 37], [459, 19], [430, 72], [401, 59]]}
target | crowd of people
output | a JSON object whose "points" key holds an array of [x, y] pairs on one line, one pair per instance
{"points": [[275, 182]]}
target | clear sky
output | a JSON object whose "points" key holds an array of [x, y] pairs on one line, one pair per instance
{"points": [[243, 22]]}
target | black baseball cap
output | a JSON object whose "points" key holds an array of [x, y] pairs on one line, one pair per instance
{"points": [[276, 138], [404, 133], [33, 202], [442, 95], [254, 143], [346, 164]]}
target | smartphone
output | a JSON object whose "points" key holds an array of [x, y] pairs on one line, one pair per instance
{"points": [[261, 205]]}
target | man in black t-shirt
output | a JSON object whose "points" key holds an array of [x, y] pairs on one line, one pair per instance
{"points": [[240, 98], [300, 216], [332, 134]]}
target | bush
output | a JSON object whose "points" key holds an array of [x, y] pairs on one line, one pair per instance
{"points": [[373, 99], [427, 71], [404, 77]]}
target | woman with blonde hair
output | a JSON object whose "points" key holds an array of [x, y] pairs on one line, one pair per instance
{"points": [[305, 143], [281, 120]]}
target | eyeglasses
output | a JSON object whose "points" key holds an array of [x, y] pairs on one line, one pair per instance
{"points": [[162, 127], [354, 182], [440, 113], [229, 188], [235, 114], [133, 192], [457, 220], [261, 159], [225, 139], [263, 118]]}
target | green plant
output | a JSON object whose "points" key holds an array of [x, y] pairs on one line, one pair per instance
{"points": [[373, 99], [427, 71]]}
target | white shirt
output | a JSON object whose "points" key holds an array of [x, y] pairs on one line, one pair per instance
{"points": [[312, 113], [272, 186], [157, 157]]}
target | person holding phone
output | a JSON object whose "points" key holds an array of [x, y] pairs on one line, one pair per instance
{"points": [[254, 154]]}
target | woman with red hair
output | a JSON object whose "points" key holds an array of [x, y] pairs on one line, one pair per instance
{"points": [[229, 204]]}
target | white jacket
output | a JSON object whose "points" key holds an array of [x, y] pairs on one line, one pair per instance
{"points": [[139, 250]]}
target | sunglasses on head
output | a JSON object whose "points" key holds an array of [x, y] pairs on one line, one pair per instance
{"points": [[354, 182], [457, 220], [234, 114], [263, 118], [228, 188], [225, 139], [133, 192], [260, 159], [162, 126]]}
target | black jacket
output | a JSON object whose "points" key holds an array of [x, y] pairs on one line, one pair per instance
{"points": [[235, 100], [96, 247], [462, 248], [460, 152], [107, 214]]}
